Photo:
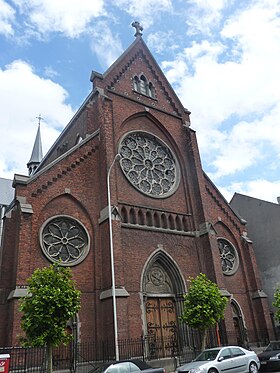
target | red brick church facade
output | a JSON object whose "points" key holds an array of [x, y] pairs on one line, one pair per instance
{"points": [[169, 221]]}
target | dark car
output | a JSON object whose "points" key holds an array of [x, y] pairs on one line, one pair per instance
{"points": [[270, 357], [128, 366]]}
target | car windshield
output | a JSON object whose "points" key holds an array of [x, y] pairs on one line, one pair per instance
{"points": [[273, 346], [207, 355]]}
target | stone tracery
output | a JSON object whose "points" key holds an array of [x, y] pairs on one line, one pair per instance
{"points": [[148, 164]]}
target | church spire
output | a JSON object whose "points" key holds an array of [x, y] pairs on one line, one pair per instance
{"points": [[37, 153]]}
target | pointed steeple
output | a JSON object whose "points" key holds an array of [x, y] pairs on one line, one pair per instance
{"points": [[37, 153]]}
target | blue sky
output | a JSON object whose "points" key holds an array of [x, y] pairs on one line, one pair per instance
{"points": [[221, 56]]}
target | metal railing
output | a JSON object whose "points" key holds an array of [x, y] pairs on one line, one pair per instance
{"points": [[87, 356]]}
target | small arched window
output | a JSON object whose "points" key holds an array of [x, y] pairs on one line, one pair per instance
{"points": [[151, 90], [136, 83], [143, 86]]}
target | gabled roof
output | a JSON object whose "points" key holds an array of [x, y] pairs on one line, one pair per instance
{"points": [[109, 80], [124, 63]]}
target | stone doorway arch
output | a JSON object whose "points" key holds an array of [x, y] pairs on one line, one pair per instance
{"points": [[163, 288], [238, 323]]}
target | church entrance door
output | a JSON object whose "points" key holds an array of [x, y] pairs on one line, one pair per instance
{"points": [[161, 326]]}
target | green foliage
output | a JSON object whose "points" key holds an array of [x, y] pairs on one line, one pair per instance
{"points": [[51, 302], [276, 303], [204, 305]]}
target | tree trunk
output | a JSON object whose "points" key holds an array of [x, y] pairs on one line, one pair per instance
{"points": [[49, 358], [203, 339]]}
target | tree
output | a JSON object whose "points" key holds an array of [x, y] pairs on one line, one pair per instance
{"points": [[276, 303], [52, 301], [204, 305]]}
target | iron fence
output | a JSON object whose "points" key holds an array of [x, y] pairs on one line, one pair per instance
{"points": [[86, 357]]}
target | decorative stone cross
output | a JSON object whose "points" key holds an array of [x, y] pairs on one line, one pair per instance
{"points": [[138, 28], [39, 119]]}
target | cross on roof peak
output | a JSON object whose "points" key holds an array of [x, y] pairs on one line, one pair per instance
{"points": [[138, 28], [39, 119]]}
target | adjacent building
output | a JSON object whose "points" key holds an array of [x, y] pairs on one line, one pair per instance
{"points": [[263, 225]]}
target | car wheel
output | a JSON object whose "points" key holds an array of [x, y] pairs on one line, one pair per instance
{"points": [[253, 368], [212, 370]]}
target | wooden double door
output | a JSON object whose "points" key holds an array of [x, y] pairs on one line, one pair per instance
{"points": [[161, 319]]}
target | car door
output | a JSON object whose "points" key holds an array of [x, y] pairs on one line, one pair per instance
{"points": [[225, 364], [239, 359]]}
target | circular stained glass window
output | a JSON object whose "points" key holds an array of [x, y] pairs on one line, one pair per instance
{"points": [[149, 164], [64, 240], [229, 257]]}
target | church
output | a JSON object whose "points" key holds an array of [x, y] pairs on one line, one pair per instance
{"points": [[122, 199]]}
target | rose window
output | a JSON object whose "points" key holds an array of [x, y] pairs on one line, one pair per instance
{"points": [[64, 240], [229, 257], [148, 164]]}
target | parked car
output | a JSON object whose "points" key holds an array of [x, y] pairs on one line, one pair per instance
{"points": [[128, 366], [270, 357], [232, 359]]}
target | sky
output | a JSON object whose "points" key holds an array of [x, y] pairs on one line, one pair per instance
{"points": [[222, 58]]}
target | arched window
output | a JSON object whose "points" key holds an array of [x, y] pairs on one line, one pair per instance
{"points": [[143, 86], [229, 256], [136, 83], [151, 90]]}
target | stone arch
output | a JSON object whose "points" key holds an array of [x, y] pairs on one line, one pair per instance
{"points": [[178, 223], [124, 214], [162, 259], [140, 217], [240, 332], [156, 220], [163, 287], [171, 222], [164, 221], [149, 219], [132, 216]]}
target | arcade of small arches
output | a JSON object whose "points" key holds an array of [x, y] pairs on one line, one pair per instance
{"points": [[154, 218]]}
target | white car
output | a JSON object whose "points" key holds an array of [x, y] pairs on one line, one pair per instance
{"points": [[229, 359]]}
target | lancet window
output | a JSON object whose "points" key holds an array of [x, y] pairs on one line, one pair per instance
{"points": [[143, 86]]}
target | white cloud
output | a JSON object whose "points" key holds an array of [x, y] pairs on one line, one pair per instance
{"points": [[50, 72], [145, 11], [204, 15], [70, 17], [262, 189], [105, 44], [23, 95], [7, 16], [231, 86], [160, 41]]}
